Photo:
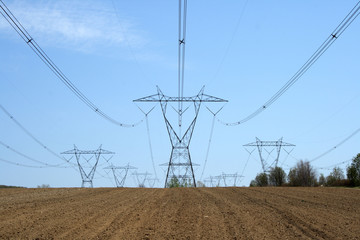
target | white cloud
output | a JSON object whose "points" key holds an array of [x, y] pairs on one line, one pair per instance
{"points": [[81, 25]]}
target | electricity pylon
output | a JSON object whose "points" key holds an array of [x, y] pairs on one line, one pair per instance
{"points": [[180, 167], [141, 182], [120, 177], [261, 145], [235, 177], [152, 181], [218, 178], [87, 178]]}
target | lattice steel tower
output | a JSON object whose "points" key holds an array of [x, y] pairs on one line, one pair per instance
{"points": [[180, 166], [261, 145], [120, 177], [87, 178]]}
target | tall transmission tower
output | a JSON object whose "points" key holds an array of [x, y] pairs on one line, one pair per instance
{"points": [[87, 177], [180, 166], [264, 146], [120, 173]]}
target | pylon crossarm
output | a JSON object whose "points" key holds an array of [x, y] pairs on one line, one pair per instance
{"points": [[151, 98], [180, 164], [269, 144], [160, 97]]}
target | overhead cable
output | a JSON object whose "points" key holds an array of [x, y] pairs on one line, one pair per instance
{"points": [[149, 138], [337, 145], [11, 19], [181, 55], [210, 138], [334, 165], [30, 134], [246, 163], [20, 164], [30, 158], [230, 42], [345, 23]]}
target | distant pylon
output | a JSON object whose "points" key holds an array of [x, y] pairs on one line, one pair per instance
{"points": [[152, 181], [87, 177], [120, 177], [262, 145], [234, 178], [141, 181]]}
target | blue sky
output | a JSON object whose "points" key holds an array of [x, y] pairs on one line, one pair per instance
{"points": [[118, 51]]}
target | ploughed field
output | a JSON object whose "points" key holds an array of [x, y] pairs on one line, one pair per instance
{"points": [[181, 213]]}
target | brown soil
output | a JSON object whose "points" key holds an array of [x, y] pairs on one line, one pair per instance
{"points": [[182, 213]]}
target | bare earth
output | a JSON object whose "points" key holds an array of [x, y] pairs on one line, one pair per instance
{"points": [[182, 213]]}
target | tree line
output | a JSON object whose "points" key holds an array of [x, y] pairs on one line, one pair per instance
{"points": [[305, 175]]}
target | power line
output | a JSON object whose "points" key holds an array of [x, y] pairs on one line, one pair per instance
{"points": [[30, 134], [230, 42], [21, 164], [11, 19], [327, 118], [30, 158], [345, 23], [149, 138], [131, 50], [242, 172], [334, 165], [181, 55], [337, 145], [210, 138]]}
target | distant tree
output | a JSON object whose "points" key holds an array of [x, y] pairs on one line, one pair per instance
{"points": [[262, 180], [353, 171], [335, 177], [277, 176], [186, 183], [5, 186], [44, 186], [322, 180], [253, 183], [338, 173], [174, 182], [303, 174], [292, 178]]}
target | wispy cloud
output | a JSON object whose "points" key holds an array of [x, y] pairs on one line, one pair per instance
{"points": [[81, 25]]}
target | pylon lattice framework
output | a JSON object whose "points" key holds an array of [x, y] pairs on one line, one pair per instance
{"points": [[261, 145], [235, 177], [233, 180], [118, 177], [87, 178], [180, 165], [141, 182], [152, 181]]}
